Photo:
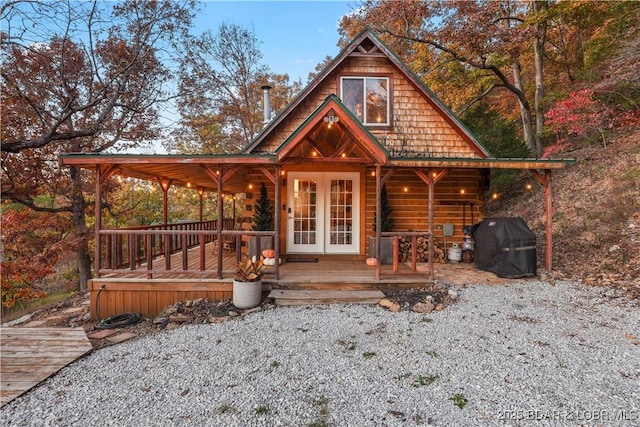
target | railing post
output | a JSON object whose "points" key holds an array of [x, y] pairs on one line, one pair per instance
{"points": [[202, 250], [258, 247], [396, 247], [238, 247], [414, 252], [168, 239], [108, 251], [132, 251], [148, 242], [117, 258], [185, 250]]}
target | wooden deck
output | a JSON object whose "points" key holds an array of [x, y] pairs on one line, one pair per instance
{"points": [[31, 355], [140, 291], [303, 269]]}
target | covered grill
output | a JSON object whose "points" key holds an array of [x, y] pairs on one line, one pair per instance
{"points": [[505, 246]]}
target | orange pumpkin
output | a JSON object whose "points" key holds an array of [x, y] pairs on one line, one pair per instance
{"points": [[371, 262], [269, 253]]}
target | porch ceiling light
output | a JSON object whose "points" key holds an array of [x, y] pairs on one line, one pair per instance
{"points": [[331, 119]]}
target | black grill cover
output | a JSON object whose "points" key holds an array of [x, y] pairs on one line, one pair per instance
{"points": [[505, 246]]}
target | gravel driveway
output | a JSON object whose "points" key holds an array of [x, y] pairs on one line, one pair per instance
{"points": [[523, 354]]}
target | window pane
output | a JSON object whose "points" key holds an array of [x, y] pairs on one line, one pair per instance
{"points": [[376, 105], [353, 95]]}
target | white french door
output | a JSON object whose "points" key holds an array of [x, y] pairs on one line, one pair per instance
{"points": [[323, 212]]}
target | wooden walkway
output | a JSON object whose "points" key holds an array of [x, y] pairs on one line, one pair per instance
{"points": [[28, 356]]}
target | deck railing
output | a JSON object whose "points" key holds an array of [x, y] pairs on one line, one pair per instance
{"points": [[137, 249], [176, 249]]}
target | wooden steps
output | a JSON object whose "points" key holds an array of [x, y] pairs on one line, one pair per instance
{"points": [[307, 296]]}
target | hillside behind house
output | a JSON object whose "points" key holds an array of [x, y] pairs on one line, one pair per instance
{"points": [[596, 213]]}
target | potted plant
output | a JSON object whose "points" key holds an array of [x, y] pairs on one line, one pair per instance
{"points": [[386, 247], [262, 221], [247, 283]]}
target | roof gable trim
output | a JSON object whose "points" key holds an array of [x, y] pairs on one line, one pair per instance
{"points": [[369, 143]]}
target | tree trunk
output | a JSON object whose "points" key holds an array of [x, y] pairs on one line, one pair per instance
{"points": [[538, 50], [80, 226], [525, 113]]}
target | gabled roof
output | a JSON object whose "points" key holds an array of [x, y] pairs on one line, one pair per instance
{"points": [[357, 133], [355, 45]]}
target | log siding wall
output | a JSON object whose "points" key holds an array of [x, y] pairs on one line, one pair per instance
{"points": [[411, 208]]}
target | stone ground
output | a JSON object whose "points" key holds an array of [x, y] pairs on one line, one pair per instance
{"points": [[74, 311]]}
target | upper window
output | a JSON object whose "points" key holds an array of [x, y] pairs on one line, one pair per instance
{"points": [[367, 98]]}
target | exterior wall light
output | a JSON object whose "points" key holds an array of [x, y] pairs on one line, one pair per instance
{"points": [[331, 119]]}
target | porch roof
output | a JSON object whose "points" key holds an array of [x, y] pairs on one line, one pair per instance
{"points": [[196, 171], [200, 171], [474, 163]]}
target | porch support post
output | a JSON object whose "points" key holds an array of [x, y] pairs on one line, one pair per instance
{"points": [[167, 239], [202, 236], [97, 260], [164, 185], [545, 181], [432, 185], [431, 179], [220, 223], [378, 219], [276, 238]]}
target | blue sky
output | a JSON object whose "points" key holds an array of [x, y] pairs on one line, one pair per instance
{"points": [[295, 35]]}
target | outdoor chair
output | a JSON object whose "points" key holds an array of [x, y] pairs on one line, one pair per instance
{"points": [[228, 241]]}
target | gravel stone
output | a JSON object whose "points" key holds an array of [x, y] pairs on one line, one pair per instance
{"points": [[523, 354]]}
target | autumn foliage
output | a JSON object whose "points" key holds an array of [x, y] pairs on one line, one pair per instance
{"points": [[32, 243], [580, 114]]}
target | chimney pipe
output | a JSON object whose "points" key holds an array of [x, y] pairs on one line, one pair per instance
{"points": [[267, 104]]}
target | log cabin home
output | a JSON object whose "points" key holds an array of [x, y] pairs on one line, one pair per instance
{"points": [[365, 122]]}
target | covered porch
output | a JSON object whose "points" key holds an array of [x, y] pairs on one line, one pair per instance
{"points": [[145, 268]]}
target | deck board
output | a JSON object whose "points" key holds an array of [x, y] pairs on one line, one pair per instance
{"points": [[31, 355]]}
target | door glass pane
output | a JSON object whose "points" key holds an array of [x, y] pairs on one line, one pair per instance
{"points": [[304, 212], [341, 208]]}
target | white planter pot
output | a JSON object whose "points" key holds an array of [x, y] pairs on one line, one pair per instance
{"points": [[247, 294]]}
